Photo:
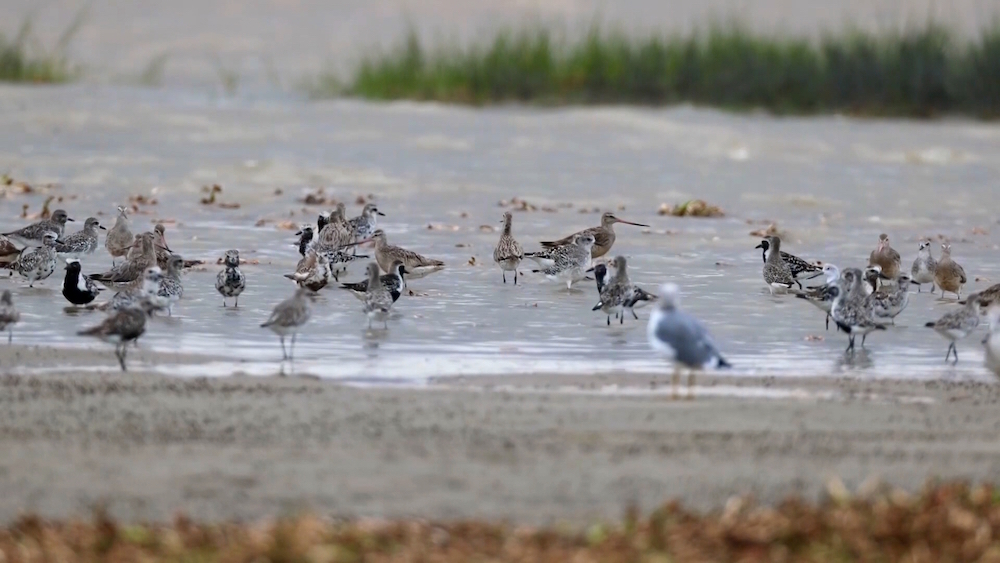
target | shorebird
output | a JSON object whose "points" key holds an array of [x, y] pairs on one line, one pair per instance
{"points": [[123, 326], [949, 275], [312, 271], [231, 282], [378, 301], [604, 236], [681, 338], [38, 263], [364, 225], [171, 287], [146, 291], [777, 274], [8, 252], [82, 242], [393, 283], [571, 262], [889, 302], [923, 266], [956, 325], [416, 265], [822, 296], [8, 314], [289, 316], [797, 266], [129, 273], [508, 253], [77, 288], [120, 237], [851, 311], [884, 255], [616, 293], [33, 234], [992, 340]]}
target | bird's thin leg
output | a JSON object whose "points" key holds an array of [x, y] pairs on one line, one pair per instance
{"points": [[675, 381], [284, 354]]}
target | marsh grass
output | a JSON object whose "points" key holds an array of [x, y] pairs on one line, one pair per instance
{"points": [[22, 59], [922, 72]]}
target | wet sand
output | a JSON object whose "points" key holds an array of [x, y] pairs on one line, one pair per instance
{"points": [[539, 449]]}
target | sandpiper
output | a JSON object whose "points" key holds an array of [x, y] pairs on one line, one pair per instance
{"points": [[949, 275], [378, 301], [416, 265], [851, 311], [822, 296], [616, 293], [889, 302], [83, 242], [797, 266], [8, 251], [681, 338], [571, 262], [604, 236], [33, 234], [123, 326], [956, 325], [508, 253], [38, 263], [923, 266], [77, 288], [289, 316], [393, 282], [364, 225], [171, 287], [231, 282], [312, 271], [992, 340], [120, 237], [8, 314], [777, 274], [129, 273], [887, 257]]}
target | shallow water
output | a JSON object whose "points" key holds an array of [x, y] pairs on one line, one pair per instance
{"points": [[832, 183]]}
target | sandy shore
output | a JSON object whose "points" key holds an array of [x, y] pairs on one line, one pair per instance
{"points": [[538, 450]]}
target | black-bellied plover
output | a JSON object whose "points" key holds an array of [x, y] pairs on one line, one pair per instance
{"points": [[289, 316], [889, 301], [822, 296], [77, 288], [508, 252], [800, 269], [378, 301], [681, 338], [81, 243], [416, 265], [33, 234], [571, 262], [172, 288], [956, 325], [604, 236], [924, 266], [992, 340], [120, 237], [949, 275], [777, 274], [231, 282], [393, 281], [8, 314], [38, 263], [851, 311], [886, 256]]}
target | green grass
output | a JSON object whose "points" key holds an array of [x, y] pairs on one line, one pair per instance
{"points": [[922, 72], [23, 60]]}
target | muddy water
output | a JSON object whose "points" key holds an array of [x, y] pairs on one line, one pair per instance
{"points": [[832, 184]]}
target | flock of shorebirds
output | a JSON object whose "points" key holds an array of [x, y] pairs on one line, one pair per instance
{"points": [[148, 280]]}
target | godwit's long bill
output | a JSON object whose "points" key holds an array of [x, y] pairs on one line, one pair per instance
{"points": [[604, 236]]}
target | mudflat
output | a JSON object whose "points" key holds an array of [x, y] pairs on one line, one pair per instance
{"points": [[532, 449]]}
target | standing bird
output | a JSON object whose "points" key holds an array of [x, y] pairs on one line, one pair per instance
{"points": [[571, 262], [798, 266], [377, 301], [171, 287], [924, 266], [120, 237], [38, 263], [123, 326], [231, 282], [777, 274], [851, 310], [886, 257], [33, 234], [289, 316], [889, 302], [956, 325], [822, 296], [681, 338], [393, 283], [949, 275], [416, 265], [508, 253], [130, 272], [8, 314], [77, 288], [604, 236], [364, 225], [992, 340], [83, 242]]}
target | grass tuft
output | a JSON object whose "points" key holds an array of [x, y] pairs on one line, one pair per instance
{"points": [[922, 72], [22, 60]]}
